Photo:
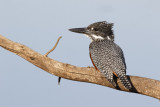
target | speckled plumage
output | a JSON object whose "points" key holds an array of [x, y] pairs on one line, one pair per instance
{"points": [[106, 56]]}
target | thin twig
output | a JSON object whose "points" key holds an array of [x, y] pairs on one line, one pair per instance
{"points": [[53, 47]]}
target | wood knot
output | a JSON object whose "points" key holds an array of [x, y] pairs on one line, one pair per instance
{"points": [[32, 58]]}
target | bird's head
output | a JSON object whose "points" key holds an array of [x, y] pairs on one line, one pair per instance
{"points": [[97, 31]]}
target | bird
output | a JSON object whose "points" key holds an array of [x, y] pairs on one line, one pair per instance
{"points": [[106, 56]]}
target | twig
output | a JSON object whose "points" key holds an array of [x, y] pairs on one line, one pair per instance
{"points": [[53, 47]]}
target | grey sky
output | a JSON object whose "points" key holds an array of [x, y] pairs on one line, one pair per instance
{"points": [[38, 24]]}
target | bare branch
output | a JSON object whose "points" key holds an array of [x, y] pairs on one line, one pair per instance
{"points": [[142, 85], [53, 47]]}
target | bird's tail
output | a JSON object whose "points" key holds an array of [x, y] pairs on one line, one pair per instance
{"points": [[112, 82], [124, 80]]}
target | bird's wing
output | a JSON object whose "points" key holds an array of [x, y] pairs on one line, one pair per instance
{"points": [[107, 56], [109, 59]]}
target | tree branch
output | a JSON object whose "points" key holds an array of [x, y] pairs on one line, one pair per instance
{"points": [[53, 47], [142, 85]]}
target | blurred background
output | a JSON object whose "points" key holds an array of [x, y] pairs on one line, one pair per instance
{"points": [[38, 23]]}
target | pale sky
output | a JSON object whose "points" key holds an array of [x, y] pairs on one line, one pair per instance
{"points": [[38, 23]]}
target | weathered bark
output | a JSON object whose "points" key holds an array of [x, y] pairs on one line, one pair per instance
{"points": [[142, 85]]}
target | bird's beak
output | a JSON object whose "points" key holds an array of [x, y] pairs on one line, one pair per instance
{"points": [[79, 30]]}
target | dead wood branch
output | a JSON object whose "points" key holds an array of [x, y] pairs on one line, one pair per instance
{"points": [[142, 85]]}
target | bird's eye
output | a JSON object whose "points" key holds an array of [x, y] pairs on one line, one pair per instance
{"points": [[94, 29]]}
